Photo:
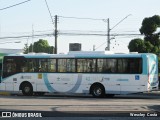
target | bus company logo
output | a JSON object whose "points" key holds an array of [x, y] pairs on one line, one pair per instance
{"points": [[6, 114]]}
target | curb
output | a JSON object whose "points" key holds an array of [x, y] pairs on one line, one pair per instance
{"points": [[5, 93]]}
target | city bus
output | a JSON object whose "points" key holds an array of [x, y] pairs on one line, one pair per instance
{"points": [[96, 72]]}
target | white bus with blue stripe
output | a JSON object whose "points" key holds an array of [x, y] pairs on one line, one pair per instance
{"points": [[96, 73]]}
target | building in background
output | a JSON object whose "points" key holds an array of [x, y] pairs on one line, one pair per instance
{"points": [[74, 47]]}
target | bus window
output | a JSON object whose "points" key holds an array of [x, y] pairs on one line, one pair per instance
{"points": [[81, 67], [43, 65], [107, 65], [100, 65], [71, 65], [62, 65], [91, 65], [23, 66], [32, 65], [123, 66], [135, 65], [66, 65], [86, 65], [51, 65], [0, 69], [110, 66], [9, 67]]}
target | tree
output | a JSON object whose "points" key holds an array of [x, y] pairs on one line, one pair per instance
{"points": [[141, 46], [39, 46], [149, 27], [151, 42], [25, 49], [136, 45]]}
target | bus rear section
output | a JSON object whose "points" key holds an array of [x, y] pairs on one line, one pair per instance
{"points": [[152, 70]]}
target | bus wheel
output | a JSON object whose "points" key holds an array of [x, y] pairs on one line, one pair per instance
{"points": [[27, 89], [98, 91]]}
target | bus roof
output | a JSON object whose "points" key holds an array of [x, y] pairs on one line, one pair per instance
{"points": [[82, 54]]}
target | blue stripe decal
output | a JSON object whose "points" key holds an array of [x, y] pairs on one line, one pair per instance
{"points": [[152, 65], [51, 89], [77, 85], [153, 69]]}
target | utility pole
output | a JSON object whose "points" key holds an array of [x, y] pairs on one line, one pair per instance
{"points": [[94, 47], [32, 37], [109, 30], [0, 30], [55, 35], [108, 38], [108, 34]]}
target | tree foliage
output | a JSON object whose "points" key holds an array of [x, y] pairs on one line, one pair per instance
{"points": [[140, 46], [151, 42], [39, 46], [136, 45], [150, 25]]}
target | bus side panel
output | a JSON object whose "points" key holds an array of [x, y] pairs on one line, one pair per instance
{"points": [[113, 83], [78, 83], [2, 86], [9, 85], [135, 84], [112, 86], [63, 83], [41, 87], [40, 83]]}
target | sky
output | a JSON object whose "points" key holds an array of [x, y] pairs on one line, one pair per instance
{"points": [[33, 18]]}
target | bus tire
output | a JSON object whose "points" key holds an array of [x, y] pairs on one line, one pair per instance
{"points": [[27, 89], [97, 91]]}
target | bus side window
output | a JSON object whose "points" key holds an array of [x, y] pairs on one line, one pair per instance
{"points": [[136, 66], [24, 67], [51, 65], [100, 64], [123, 66], [132, 67], [140, 66], [0, 69], [9, 67], [32, 65]]}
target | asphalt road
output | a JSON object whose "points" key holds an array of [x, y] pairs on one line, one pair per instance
{"points": [[71, 107]]}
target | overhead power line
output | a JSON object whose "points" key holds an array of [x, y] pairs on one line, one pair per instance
{"points": [[49, 11], [80, 18], [120, 21], [26, 36], [15, 5], [66, 33]]}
